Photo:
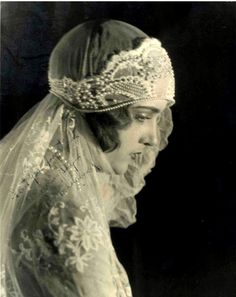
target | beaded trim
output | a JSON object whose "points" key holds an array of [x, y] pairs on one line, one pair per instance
{"points": [[129, 76]]}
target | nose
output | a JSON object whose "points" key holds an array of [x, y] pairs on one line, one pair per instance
{"points": [[151, 135]]}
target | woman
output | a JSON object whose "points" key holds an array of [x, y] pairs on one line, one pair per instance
{"points": [[71, 167]]}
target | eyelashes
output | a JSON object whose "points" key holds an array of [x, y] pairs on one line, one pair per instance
{"points": [[141, 117]]}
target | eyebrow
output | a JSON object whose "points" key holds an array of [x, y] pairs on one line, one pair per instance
{"points": [[150, 108]]}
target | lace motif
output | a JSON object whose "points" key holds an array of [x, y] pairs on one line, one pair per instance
{"points": [[77, 241], [6, 286], [120, 279], [2, 282], [34, 163], [33, 247], [122, 285], [129, 76]]}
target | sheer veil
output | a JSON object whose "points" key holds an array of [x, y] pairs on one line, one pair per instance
{"points": [[51, 150]]}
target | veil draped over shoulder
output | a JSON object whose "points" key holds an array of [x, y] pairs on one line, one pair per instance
{"points": [[59, 194]]}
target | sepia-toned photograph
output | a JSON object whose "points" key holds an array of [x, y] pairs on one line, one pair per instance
{"points": [[117, 149]]}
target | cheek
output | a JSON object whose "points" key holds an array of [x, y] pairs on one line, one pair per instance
{"points": [[129, 136]]}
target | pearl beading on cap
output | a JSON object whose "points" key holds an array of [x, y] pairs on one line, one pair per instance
{"points": [[129, 76]]}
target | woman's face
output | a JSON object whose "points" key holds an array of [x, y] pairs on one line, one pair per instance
{"points": [[140, 133]]}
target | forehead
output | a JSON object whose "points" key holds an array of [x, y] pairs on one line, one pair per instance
{"points": [[152, 105]]}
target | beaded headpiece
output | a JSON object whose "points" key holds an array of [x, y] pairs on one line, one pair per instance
{"points": [[128, 77]]}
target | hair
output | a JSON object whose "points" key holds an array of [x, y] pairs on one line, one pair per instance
{"points": [[83, 53], [105, 126]]}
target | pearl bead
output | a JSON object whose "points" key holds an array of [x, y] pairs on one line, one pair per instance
{"points": [[147, 69]]}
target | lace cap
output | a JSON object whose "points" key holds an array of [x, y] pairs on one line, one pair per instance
{"points": [[129, 76]]}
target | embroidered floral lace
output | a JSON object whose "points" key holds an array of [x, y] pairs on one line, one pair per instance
{"points": [[60, 206], [59, 194]]}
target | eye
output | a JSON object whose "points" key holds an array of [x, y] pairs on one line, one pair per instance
{"points": [[141, 117]]}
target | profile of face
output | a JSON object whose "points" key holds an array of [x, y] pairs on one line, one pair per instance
{"points": [[142, 132]]}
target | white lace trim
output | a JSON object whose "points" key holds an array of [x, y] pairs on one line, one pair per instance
{"points": [[77, 241], [129, 76]]}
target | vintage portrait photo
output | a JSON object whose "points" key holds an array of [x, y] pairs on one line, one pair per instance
{"points": [[117, 151]]}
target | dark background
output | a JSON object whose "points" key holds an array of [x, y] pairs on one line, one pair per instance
{"points": [[184, 243]]}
